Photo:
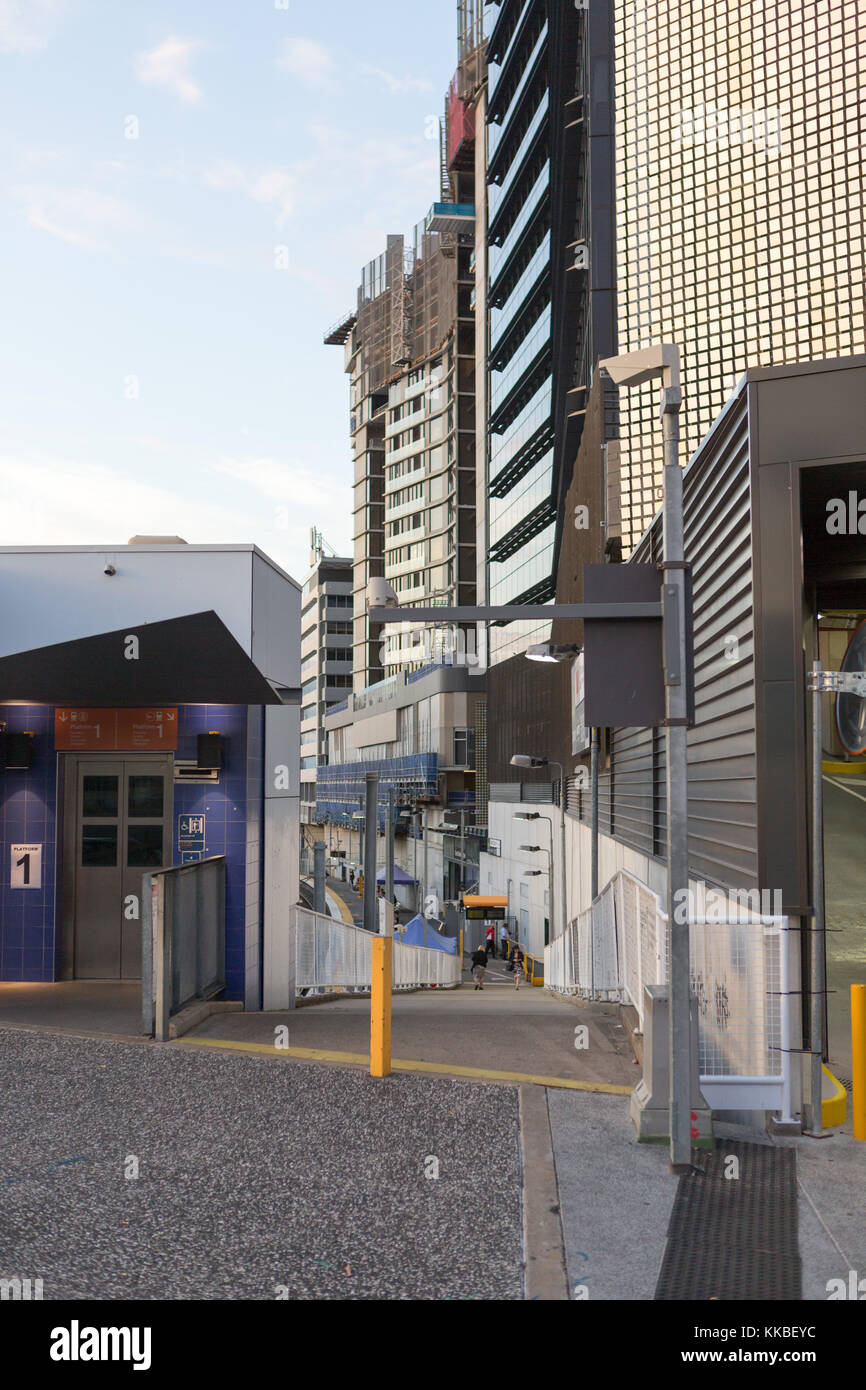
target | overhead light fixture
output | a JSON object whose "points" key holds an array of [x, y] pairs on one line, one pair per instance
{"points": [[527, 760], [527, 815], [553, 651]]}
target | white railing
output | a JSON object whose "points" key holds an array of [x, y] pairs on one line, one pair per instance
{"points": [[332, 954], [739, 967]]}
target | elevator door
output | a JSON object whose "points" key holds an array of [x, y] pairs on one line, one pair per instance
{"points": [[122, 815]]}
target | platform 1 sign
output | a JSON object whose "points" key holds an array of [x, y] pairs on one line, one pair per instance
{"points": [[115, 730], [26, 866]]}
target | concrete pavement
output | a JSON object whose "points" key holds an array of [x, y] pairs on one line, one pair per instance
{"points": [[845, 892], [78, 1006], [501, 1029]]}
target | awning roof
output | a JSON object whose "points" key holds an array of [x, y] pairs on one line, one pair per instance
{"points": [[193, 660], [400, 875], [473, 900]]}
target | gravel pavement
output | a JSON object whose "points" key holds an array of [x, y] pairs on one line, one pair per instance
{"points": [[257, 1178]]}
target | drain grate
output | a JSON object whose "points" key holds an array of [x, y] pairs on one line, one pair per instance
{"points": [[734, 1238]]}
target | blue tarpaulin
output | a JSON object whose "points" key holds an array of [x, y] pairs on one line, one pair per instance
{"points": [[400, 875], [420, 932]]}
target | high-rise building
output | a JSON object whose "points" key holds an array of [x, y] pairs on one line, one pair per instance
{"points": [[410, 355], [326, 658], [548, 290], [416, 714], [740, 200]]}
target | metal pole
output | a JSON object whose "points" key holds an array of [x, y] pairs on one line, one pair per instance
{"points": [[371, 906], [676, 778], [550, 887], [816, 973], [462, 883], [562, 874], [319, 904], [417, 819], [424, 884], [389, 849], [593, 778]]}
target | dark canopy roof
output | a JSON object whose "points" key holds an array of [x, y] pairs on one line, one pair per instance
{"points": [[182, 661]]}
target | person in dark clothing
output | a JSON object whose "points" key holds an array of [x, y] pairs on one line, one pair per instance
{"points": [[479, 966]]}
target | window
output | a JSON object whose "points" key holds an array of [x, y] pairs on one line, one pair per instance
{"points": [[464, 747]]}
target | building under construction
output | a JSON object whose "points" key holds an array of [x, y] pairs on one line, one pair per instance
{"points": [[410, 354]]}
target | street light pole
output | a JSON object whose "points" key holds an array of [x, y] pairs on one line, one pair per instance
{"points": [[676, 777], [389, 849], [371, 905], [632, 369], [542, 849], [530, 760]]}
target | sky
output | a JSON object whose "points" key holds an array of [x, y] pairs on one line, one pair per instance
{"points": [[188, 192]]}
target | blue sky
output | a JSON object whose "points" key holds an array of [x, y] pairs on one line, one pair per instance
{"points": [[158, 372]]}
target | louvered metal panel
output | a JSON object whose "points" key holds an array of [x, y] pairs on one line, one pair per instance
{"points": [[723, 845]]}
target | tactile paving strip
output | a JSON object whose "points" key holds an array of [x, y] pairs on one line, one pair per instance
{"points": [[734, 1237]]}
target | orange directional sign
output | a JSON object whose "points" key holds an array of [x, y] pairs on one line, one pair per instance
{"points": [[115, 730]]}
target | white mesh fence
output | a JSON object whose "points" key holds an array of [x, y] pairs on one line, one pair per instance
{"points": [[736, 978], [739, 975], [332, 954]]}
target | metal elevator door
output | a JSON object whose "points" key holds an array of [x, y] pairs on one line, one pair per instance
{"points": [[122, 812]]}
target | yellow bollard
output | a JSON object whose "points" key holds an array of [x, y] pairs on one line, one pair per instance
{"points": [[858, 1059], [380, 1006]]}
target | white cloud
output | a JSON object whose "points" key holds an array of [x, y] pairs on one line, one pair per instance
{"points": [[28, 25], [167, 65], [307, 60], [272, 187], [398, 85], [80, 216], [70, 502], [291, 484]]}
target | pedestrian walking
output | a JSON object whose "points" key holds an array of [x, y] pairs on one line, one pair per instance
{"points": [[351, 878], [503, 942], [517, 964], [491, 941], [479, 966]]}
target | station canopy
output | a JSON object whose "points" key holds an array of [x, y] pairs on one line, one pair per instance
{"points": [[193, 660]]}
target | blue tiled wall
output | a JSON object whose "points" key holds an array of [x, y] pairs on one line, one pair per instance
{"points": [[28, 814], [225, 809], [28, 806]]}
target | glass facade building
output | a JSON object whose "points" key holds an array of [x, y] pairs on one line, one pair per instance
{"points": [[740, 202], [521, 516], [548, 293]]}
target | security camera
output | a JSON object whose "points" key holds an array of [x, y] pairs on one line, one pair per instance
{"points": [[109, 569], [381, 594]]}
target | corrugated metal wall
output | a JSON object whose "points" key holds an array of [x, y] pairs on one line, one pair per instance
{"points": [[723, 844]]}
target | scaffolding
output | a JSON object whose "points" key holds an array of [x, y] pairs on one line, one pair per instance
{"points": [[470, 41]]}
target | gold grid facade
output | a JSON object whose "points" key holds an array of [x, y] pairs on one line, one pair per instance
{"points": [[740, 131]]}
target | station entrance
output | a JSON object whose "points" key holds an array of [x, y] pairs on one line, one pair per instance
{"points": [[834, 571], [116, 828]]}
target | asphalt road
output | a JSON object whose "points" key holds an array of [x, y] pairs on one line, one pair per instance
{"points": [[256, 1179]]}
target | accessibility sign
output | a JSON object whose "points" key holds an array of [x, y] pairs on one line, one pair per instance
{"points": [[190, 833]]}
